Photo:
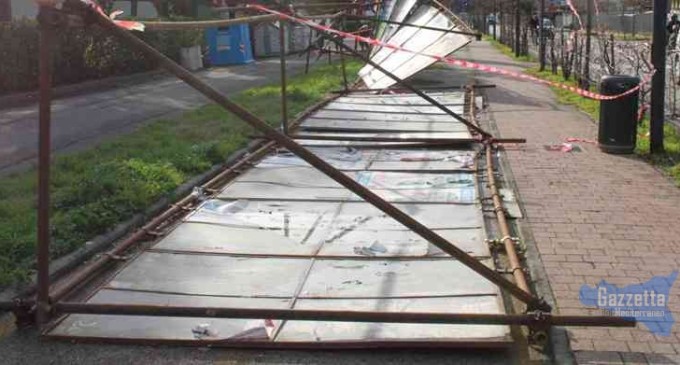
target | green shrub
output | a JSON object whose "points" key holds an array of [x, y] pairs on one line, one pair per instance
{"points": [[80, 54]]}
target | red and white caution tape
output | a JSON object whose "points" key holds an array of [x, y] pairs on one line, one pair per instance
{"points": [[454, 61], [562, 147], [568, 144], [582, 140], [575, 12], [125, 24], [642, 111]]}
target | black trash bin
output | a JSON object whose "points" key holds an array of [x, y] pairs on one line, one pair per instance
{"points": [[618, 117]]}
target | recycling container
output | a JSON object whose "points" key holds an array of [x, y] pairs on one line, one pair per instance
{"points": [[229, 45], [618, 117]]}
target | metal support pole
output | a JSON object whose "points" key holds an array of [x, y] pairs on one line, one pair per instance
{"points": [[659, 79], [585, 79], [369, 138], [309, 50], [541, 36], [426, 141], [342, 59], [339, 6], [501, 19], [495, 18], [45, 17], [367, 195], [203, 24], [374, 20], [613, 52], [518, 29], [284, 80], [529, 319], [508, 243]]}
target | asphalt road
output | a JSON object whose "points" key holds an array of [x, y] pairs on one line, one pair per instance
{"points": [[82, 121]]}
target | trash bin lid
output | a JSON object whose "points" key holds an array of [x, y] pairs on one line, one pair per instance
{"points": [[617, 84]]}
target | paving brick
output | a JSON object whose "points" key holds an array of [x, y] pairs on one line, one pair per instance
{"points": [[582, 345], [662, 348], [662, 359], [594, 216], [610, 345], [598, 358], [633, 358], [639, 346]]}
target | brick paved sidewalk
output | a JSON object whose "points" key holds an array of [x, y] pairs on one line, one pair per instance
{"points": [[593, 216]]}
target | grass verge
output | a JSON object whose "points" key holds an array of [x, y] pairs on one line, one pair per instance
{"points": [[668, 161], [94, 190], [506, 50]]}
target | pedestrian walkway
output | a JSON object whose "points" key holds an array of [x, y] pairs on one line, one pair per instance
{"points": [[593, 216]]}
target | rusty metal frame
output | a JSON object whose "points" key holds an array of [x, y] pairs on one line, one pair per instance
{"points": [[151, 25], [50, 301], [336, 5], [46, 19], [311, 45], [284, 79], [532, 319]]}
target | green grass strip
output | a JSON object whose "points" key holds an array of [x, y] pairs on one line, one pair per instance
{"points": [[96, 189]]}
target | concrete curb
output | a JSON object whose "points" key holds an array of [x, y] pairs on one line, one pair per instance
{"points": [[559, 341], [29, 98]]}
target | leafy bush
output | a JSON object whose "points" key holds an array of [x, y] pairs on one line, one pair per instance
{"points": [[81, 54]]}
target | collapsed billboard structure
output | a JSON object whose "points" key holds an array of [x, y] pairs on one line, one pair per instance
{"points": [[420, 36], [337, 230]]}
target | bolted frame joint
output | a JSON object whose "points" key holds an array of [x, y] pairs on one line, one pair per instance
{"points": [[539, 327], [24, 312], [539, 307]]}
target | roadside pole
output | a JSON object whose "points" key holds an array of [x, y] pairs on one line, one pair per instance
{"points": [[585, 79], [518, 29], [284, 79], [541, 36], [659, 78], [495, 18], [45, 19]]}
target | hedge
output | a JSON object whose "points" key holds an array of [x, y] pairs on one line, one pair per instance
{"points": [[81, 54]]}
